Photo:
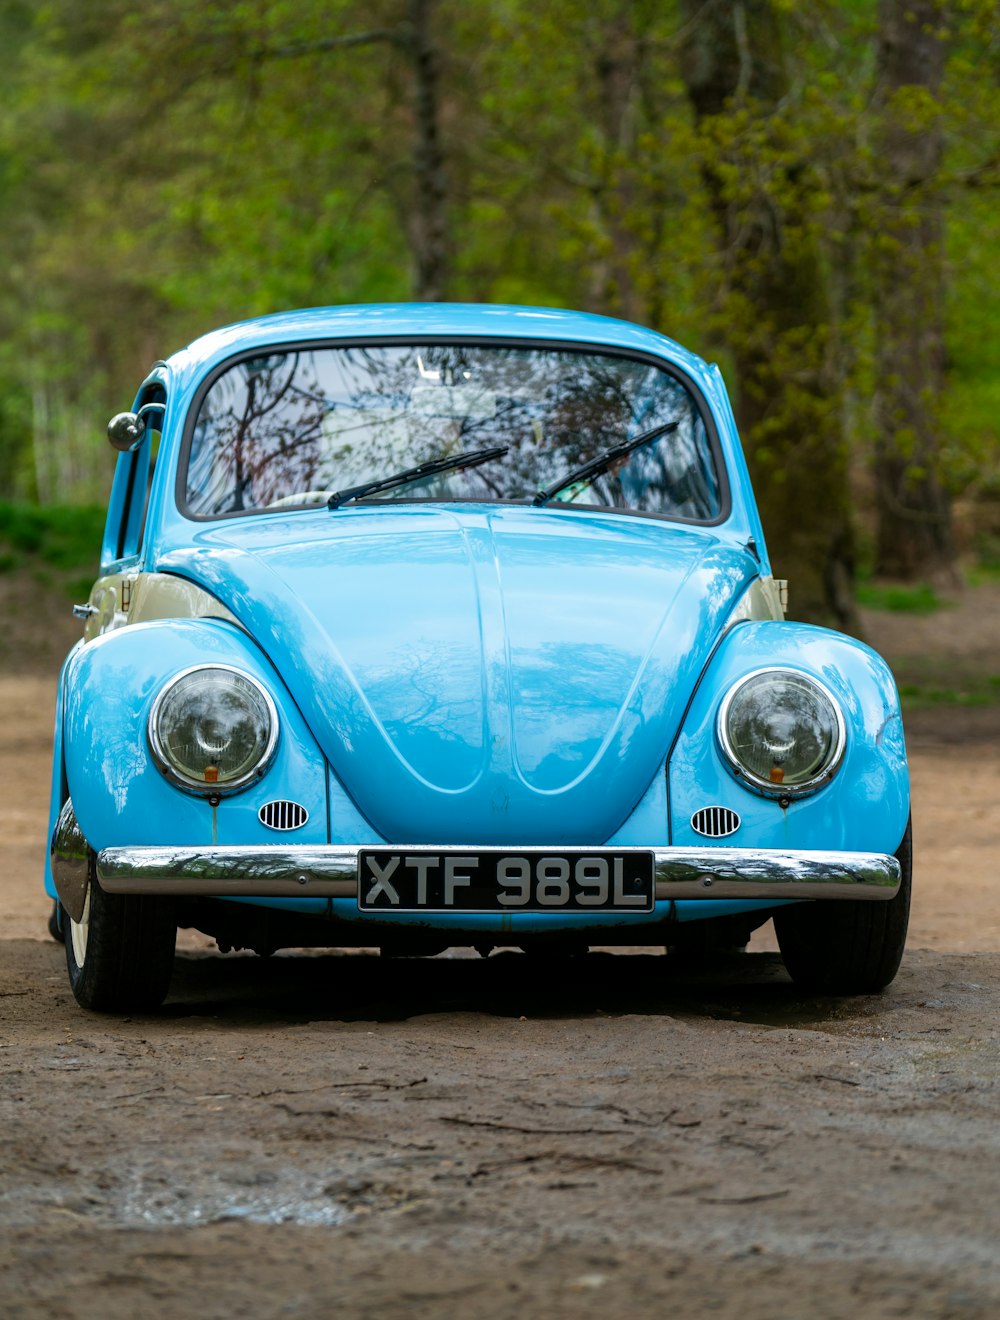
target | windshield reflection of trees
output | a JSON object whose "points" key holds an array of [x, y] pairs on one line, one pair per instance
{"points": [[307, 422]]}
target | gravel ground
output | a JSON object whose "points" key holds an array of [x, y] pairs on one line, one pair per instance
{"points": [[515, 1136]]}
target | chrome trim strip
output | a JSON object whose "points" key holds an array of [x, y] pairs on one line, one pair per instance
{"points": [[330, 871]]}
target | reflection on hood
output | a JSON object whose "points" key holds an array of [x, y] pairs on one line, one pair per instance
{"points": [[500, 675]]}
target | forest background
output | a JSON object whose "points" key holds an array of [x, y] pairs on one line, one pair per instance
{"points": [[806, 192]]}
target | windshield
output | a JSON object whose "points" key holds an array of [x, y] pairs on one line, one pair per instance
{"points": [[293, 427]]}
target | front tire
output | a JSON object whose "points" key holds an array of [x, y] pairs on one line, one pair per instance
{"points": [[120, 954], [850, 948], [56, 928]]}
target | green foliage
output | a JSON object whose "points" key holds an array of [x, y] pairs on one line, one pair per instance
{"points": [[973, 327], [170, 165], [60, 542], [15, 433]]}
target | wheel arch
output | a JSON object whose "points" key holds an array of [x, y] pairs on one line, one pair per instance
{"points": [[118, 793], [866, 804]]}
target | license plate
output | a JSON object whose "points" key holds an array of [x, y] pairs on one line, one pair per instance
{"points": [[529, 880]]}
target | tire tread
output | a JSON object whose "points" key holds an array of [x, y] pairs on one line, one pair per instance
{"points": [[850, 947], [130, 952]]}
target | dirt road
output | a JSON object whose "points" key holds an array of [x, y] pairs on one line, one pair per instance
{"points": [[511, 1136]]}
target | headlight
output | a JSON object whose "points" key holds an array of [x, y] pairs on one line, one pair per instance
{"points": [[213, 728], [782, 731]]}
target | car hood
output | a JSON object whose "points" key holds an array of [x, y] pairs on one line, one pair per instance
{"points": [[480, 674]]}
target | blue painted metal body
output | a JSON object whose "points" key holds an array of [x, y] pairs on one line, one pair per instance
{"points": [[464, 673]]}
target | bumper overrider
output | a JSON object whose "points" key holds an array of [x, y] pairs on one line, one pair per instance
{"points": [[332, 871]]}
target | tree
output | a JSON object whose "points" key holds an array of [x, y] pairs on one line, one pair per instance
{"points": [[775, 303], [167, 165], [914, 526], [408, 33]]}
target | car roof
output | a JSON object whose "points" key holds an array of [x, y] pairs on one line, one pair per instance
{"points": [[413, 320], [185, 372]]}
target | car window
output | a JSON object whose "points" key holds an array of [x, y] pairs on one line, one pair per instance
{"points": [[129, 506], [153, 442], [289, 428]]}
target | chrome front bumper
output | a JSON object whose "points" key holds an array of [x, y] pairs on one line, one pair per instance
{"points": [[332, 872]]}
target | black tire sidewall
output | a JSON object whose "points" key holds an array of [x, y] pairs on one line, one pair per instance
{"points": [[128, 961], [848, 947]]}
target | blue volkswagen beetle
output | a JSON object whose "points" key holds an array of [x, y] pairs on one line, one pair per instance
{"points": [[426, 626]]}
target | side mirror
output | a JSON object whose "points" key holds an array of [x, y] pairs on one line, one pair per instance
{"points": [[126, 431]]}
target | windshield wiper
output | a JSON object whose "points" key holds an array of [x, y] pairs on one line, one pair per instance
{"points": [[467, 459], [602, 461]]}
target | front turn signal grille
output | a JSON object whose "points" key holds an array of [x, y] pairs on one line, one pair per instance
{"points": [[283, 815], [715, 822]]}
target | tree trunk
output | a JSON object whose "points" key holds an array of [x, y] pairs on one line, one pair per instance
{"points": [[776, 304], [615, 73], [428, 222], [914, 534]]}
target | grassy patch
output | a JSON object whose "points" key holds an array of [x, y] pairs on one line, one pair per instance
{"points": [[974, 692], [922, 599], [984, 572]]}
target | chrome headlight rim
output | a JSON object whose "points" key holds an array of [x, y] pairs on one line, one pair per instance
{"points": [[832, 762], [200, 787]]}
